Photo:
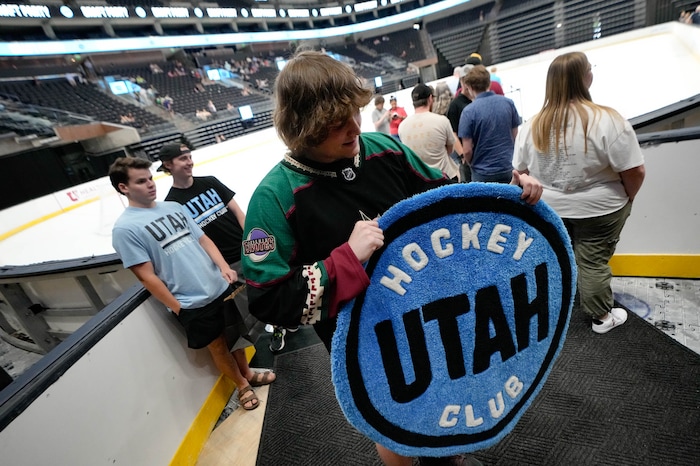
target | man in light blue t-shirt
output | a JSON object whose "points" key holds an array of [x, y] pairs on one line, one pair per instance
{"points": [[174, 260]]}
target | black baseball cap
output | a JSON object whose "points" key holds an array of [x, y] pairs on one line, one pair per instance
{"points": [[170, 151], [421, 92]]}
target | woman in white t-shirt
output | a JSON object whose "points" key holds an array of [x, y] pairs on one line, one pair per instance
{"points": [[590, 164]]}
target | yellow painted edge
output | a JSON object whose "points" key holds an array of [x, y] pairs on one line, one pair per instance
{"points": [[44, 218], [656, 265], [205, 420]]}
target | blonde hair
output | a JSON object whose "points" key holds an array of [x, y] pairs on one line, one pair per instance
{"points": [[443, 97], [314, 93], [566, 96]]}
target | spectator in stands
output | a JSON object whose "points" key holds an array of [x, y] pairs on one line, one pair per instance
{"points": [[380, 116], [429, 134], [202, 114], [152, 93], [496, 88], [211, 107], [89, 69], [454, 112], [143, 96], [443, 97], [168, 103], [494, 76], [695, 17], [155, 69], [182, 268], [474, 59], [337, 172], [591, 167], [398, 115], [487, 129]]}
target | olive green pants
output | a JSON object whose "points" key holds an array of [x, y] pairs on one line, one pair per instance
{"points": [[594, 240]]}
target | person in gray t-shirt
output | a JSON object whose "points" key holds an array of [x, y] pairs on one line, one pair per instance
{"points": [[380, 116]]}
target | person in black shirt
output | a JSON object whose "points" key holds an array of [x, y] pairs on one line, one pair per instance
{"points": [[212, 206]]}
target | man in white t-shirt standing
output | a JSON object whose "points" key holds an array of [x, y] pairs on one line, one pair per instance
{"points": [[429, 134]]}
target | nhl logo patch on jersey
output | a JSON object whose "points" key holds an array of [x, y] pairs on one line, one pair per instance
{"points": [[348, 174], [467, 310]]}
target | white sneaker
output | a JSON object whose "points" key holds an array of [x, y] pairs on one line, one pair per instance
{"points": [[617, 317]]}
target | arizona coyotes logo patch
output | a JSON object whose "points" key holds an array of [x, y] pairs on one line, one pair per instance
{"points": [[466, 312], [258, 245]]}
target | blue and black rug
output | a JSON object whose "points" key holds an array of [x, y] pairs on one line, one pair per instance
{"points": [[630, 397], [467, 309]]}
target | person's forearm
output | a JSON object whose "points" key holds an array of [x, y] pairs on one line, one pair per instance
{"points": [[632, 180], [159, 291], [467, 154], [237, 211], [467, 150], [148, 278], [458, 146], [213, 252]]}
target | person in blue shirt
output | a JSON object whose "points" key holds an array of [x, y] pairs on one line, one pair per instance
{"points": [[487, 130], [182, 268]]}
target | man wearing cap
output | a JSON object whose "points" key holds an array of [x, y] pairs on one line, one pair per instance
{"points": [[429, 134], [181, 267], [208, 201], [474, 59], [211, 205], [398, 115], [454, 112]]}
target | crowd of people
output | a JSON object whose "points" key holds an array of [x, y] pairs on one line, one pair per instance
{"points": [[690, 17], [581, 158]]}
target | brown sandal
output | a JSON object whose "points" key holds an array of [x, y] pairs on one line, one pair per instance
{"points": [[247, 395], [262, 378]]}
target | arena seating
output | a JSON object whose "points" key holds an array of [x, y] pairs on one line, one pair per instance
{"points": [[83, 99], [455, 37], [405, 44]]}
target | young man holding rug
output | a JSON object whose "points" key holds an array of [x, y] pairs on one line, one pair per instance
{"points": [[310, 222]]}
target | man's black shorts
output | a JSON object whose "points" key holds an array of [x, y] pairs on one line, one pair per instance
{"points": [[204, 324]]}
